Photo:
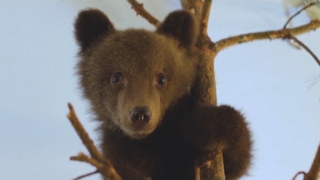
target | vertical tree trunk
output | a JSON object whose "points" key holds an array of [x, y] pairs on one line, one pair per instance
{"points": [[210, 167]]}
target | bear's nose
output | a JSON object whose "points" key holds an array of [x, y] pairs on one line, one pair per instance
{"points": [[140, 114]]}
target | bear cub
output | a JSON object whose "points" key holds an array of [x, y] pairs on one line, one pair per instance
{"points": [[139, 84]]}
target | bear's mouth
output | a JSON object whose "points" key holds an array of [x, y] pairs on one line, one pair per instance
{"points": [[138, 134]]}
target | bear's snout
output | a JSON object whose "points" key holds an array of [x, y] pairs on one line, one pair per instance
{"points": [[140, 115]]}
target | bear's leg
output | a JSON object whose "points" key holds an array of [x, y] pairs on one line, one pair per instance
{"points": [[211, 127]]}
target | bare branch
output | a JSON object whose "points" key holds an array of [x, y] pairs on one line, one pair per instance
{"points": [[138, 8], [205, 17], [86, 175], [84, 158], [314, 172], [193, 6], [94, 152], [304, 8], [104, 166], [306, 48], [224, 43], [301, 172], [296, 40]]}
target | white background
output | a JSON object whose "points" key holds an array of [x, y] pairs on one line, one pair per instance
{"points": [[271, 82]]}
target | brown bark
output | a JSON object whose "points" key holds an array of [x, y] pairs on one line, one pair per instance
{"points": [[104, 167], [210, 167], [138, 8], [277, 34], [314, 172]]}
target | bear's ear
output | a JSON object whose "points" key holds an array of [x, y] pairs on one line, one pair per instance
{"points": [[180, 25], [91, 25]]}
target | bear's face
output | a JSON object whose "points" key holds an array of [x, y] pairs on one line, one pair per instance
{"points": [[133, 77]]}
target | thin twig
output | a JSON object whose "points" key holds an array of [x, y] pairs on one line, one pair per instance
{"points": [[313, 80], [290, 42], [282, 33], [314, 171], [138, 8], [290, 36], [104, 166], [305, 47], [304, 8], [205, 17], [301, 172], [84, 158], [86, 175]]}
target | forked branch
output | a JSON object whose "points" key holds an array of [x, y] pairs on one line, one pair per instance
{"points": [[104, 167], [278, 34], [290, 36], [297, 13], [306, 48], [314, 172]]}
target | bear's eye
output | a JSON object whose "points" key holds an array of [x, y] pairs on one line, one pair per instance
{"points": [[116, 78], [162, 80]]}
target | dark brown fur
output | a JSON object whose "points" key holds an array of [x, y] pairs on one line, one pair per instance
{"points": [[124, 72]]}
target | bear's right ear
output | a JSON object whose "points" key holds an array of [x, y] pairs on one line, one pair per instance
{"points": [[91, 25], [182, 26]]}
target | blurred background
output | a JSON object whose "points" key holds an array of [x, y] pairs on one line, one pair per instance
{"points": [[276, 86]]}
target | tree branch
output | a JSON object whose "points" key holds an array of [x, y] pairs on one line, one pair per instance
{"points": [[205, 17], [314, 172], [227, 42], [297, 13], [138, 8], [104, 167], [290, 36], [86, 175], [84, 158], [210, 167], [301, 172], [306, 48], [94, 152], [193, 6]]}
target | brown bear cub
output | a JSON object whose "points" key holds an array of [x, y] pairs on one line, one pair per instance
{"points": [[139, 84]]}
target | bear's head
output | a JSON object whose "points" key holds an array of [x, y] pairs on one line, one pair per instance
{"points": [[133, 77]]}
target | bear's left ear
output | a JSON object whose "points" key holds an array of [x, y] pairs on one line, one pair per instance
{"points": [[90, 26], [180, 25]]}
